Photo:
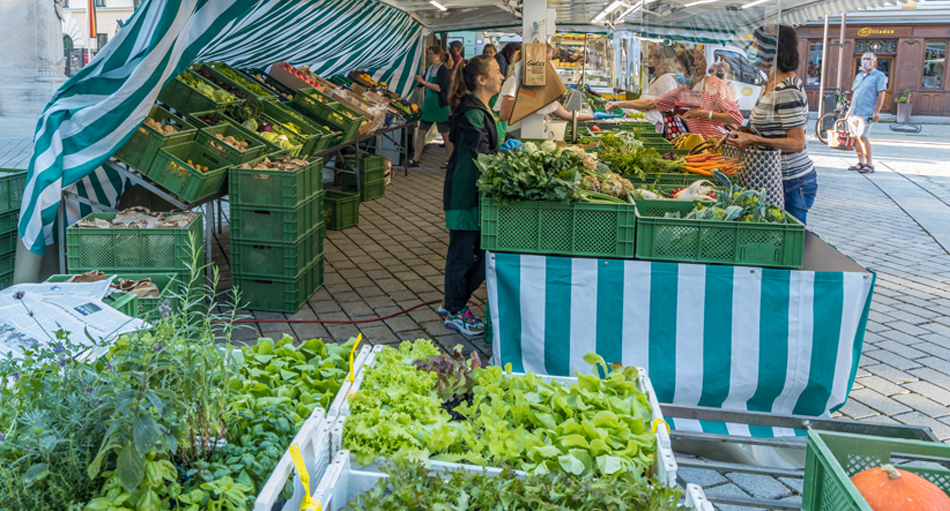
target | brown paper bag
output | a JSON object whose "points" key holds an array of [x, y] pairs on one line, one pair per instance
{"points": [[531, 99], [534, 57]]}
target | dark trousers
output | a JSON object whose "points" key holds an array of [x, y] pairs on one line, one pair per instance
{"points": [[464, 268]]}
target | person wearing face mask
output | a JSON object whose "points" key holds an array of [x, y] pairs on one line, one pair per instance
{"points": [[704, 100], [721, 70], [779, 118], [870, 86], [663, 81]]}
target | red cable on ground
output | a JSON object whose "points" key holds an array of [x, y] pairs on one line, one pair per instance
{"points": [[348, 322]]}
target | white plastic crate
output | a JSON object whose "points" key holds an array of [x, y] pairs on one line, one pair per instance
{"points": [[344, 481], [664, 469], [313, 439]]}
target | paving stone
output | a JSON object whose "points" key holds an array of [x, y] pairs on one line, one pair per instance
{"points": [[854, 409], [796, 485], [727, 490], [760, 486], [904, 351], [701, 476], [377, 333], [930, 391], [357, 309], [876, 401], [892, 359], [890, 373], [307, 331], [924, 405]]}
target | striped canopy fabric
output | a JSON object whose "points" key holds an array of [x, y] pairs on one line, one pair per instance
{"points": [[99, 108], [730, 337]]}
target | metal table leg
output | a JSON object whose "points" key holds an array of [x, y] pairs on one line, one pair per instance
{"points": [[209, 234]]}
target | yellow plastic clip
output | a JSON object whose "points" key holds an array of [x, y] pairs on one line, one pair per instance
{"points": [[656, 423], [352, 376], [306, 504], [350, 394]]}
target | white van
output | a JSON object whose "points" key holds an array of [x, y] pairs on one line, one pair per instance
{"points": [[748, 80]]}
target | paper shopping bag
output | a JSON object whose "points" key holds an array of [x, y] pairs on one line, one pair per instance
{"points": [[534, 56], [531, 99]]}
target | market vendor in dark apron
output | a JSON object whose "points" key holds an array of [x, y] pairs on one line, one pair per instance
{"points": [[474, 130], [435, 106]]}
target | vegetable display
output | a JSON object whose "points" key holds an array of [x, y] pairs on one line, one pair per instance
{"points": [[596, 426], [889, 489], [625, 155], [243, 82], [207, 90], [417, 488], [220, 83], [168, 418], [736, 204], [165, 129]]}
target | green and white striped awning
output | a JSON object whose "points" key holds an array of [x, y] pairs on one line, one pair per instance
{"points": [[99, 108]]}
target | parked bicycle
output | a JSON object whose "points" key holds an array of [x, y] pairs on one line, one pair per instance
{"points": [[837, 121]]}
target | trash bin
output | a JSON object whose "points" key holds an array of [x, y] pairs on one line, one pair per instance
{"points": [[829, 104]]}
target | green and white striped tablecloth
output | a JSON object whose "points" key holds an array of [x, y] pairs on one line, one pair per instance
{"points": [[730, 337]]}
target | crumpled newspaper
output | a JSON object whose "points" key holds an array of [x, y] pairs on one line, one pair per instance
{"points": [[139, 217], [144, 288]]}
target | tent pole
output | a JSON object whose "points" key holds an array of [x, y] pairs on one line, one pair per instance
{"points": [[841, 62], [823, 67], [534, 25]]}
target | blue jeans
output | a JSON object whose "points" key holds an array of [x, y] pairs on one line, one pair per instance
{"points": [[800, 195]]}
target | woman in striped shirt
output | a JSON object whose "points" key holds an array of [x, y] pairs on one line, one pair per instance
{"points": [[704, 101], [780, 115]]}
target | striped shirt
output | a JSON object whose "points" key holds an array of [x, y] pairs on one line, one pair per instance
{"points": [[785, 108], [711, 94]]}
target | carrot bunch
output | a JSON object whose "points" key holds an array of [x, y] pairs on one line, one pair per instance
{"points": [[704, 164]]}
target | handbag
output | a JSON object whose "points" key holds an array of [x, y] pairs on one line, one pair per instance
{"points": [[672, 126], [761, 170]]}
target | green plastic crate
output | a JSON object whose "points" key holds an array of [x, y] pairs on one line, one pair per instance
{"points": [[12, 183], [172, 171], [341, 210], [329, 113], [328, 133], [275, 188], [253, 223], [131, 250], [673, 179], [243, 80], [313, 138], [280, 295], [276, 260], [9, 220], [168, 285], [8, 241], [178, 95], [371, 168], [140, 150], [833, 458], [7, 262], [126, 303], [369, 190], [6, 280], [207, 138], [203, 66], [560, 228], [714, 241], [270, 148]]}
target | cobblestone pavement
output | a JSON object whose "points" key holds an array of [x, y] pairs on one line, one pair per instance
{"points": [[394, 259]]}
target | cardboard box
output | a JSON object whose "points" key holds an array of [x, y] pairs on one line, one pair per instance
{"points": [[287, 78]]}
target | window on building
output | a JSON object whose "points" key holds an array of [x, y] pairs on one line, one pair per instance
{"points": [[814, 63], [935, 58], [101, 40], [100, 3]]}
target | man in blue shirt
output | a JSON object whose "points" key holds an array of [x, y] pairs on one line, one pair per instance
{"points": [[867, 98]]}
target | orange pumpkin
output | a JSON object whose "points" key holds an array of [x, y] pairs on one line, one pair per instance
{"points": [[890, 489]]}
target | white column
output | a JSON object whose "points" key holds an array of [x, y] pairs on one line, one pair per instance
{"points": [[32, 67], [536, 15]]}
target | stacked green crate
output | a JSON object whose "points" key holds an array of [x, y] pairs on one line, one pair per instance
{"points": [[277, 235], [372, 176], [12, 183], [162, 254]]}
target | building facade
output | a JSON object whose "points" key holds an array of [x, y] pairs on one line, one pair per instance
{"points": [[108, 15], [911, 46]]}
